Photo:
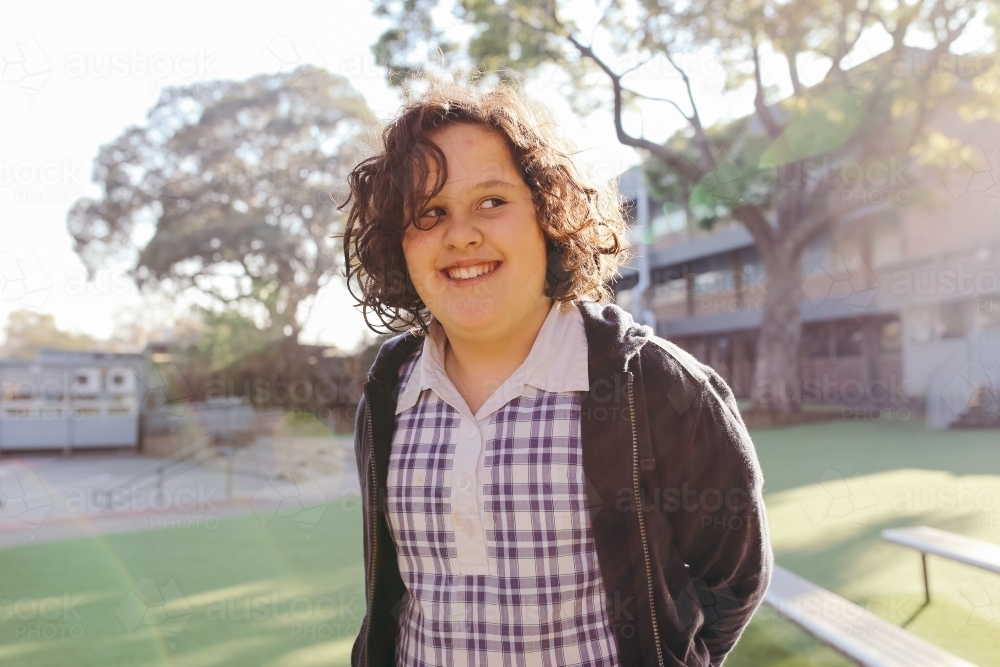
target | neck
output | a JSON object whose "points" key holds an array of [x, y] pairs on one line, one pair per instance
{"points": [[478, 364]]}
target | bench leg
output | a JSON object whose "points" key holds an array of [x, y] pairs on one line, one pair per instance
{"points": [[927, 588]]}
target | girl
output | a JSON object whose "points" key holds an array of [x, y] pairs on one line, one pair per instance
{"points": [[545, 481]]}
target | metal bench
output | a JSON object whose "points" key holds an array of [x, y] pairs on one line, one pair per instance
{"points": [[959, 548], [847, 628]]}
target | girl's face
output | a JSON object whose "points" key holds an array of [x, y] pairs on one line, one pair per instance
{"points": [[481, 268]]}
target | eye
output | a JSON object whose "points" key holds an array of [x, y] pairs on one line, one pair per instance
{"points": [[496, 201], [429, 218], [433, 213]]}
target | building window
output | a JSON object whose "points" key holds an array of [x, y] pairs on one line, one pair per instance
{"points": [[625, 299], [988, 312], [918, 325], [891, 336], [672, 220], [849, 245], [709, 283], [850, 339], [753, 267], [668, 293], [887, 242], [22, 390], [953, 319], [816, 341]]}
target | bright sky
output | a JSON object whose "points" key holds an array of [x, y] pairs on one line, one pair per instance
{"points": [[60, 103]]}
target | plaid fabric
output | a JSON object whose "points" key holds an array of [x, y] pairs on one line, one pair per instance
{"points": [[541, 601]]}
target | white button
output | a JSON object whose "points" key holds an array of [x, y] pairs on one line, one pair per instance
{"points": [[464, 482], [470, 431]]}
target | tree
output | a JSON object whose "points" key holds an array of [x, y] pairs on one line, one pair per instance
{"points": [[229, 189], [29, 332], [777, 170]]}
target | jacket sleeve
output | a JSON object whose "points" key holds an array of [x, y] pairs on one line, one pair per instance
{"points": [[725, 540]]}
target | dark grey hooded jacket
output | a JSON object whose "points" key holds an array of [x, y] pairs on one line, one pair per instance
{"points": [[660, 432]]}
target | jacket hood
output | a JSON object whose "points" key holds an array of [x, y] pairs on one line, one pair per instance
{"points": [[611, 333]]}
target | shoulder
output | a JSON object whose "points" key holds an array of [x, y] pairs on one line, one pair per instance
{"points": [[675, 380], [391, 356], [673, 359]]}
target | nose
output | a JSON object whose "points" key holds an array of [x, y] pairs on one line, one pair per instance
{"points": [[462, 232]]}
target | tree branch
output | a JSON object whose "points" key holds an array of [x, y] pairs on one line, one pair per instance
{"points": [[763, 111], [793, 73], [652, 98], [843, 47], [675, 160], [695, 118]]}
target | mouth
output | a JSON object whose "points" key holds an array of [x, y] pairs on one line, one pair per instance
{"points": [[471, 272]]}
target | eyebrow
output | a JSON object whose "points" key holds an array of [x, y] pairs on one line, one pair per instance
{"points": [[495, 183]]}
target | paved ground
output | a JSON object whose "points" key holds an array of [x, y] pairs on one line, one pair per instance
{"points": [[50, 497]]}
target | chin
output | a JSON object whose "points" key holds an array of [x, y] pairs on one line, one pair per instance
{"points": [[472, 312]]}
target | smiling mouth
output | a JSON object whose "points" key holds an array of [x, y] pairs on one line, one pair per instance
{"points": [[470, 272]]}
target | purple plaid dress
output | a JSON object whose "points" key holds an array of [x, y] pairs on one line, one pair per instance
{"points": [[488, 514]]}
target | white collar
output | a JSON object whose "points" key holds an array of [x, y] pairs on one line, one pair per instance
{"points": [[557, 362]]}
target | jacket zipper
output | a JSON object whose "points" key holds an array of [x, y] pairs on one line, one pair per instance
{"points": [[374, 524], [642, 522]]}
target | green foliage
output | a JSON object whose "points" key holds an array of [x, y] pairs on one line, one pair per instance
{"points": [[855, 113], [229, 338], [819, 124], [777, 168]]}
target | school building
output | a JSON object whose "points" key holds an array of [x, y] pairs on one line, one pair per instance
{"points": [[70, 400], [900, 309]]}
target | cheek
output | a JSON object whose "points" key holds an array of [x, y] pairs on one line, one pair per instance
{"points": [[420, 255], [531, 240], [525, 248], [417, 253]]}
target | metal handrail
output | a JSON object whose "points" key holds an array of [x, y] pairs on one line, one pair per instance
{"points": [[177, 463], [102, 496]]}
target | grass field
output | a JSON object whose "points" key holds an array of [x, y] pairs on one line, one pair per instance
{"points": [[242, 592]]}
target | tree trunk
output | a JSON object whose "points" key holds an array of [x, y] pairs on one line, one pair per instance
{"points": [[776, 386]]}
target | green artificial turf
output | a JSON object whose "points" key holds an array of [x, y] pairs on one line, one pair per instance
{"points": [[286, 593], [237, 592], [831, 488]]}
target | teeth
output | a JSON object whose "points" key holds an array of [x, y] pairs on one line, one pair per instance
{"points": [[466, 272]]}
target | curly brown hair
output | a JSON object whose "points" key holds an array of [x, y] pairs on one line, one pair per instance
{"points": [[581, 217]]}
